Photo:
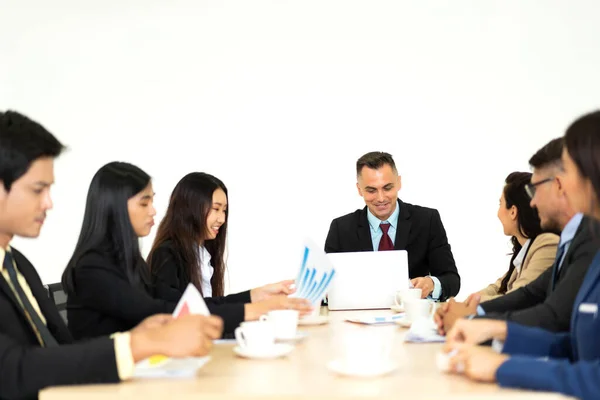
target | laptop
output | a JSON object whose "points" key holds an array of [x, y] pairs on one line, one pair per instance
{"points": [[367, 279]]}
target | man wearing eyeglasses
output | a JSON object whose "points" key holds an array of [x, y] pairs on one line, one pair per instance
{"points": [[546, 302]]}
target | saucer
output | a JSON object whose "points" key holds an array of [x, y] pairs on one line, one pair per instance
{"points": [[300, 335], [397, 308], [339, 367], [314, 320], [403, 322], [276, 351]]}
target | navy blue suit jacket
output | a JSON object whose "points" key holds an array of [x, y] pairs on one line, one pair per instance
{"points": [[573, 363]]}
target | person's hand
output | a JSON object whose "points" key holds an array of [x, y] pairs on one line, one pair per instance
{"points": [[476, 362], [473, 297], [155, 321], [425, 284], [253, 311], [187, 336], [273, 289], [475, 332], [447, 315], [439, 315]]}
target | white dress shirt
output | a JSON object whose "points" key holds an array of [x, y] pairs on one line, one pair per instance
{"points": [[206, 272]]}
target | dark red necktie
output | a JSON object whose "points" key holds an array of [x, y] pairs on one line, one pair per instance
{"points": [[386, 242]]}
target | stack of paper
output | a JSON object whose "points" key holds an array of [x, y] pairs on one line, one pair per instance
{"points": [[160, 366], [315, 275], [376, 320], [423, 331]]}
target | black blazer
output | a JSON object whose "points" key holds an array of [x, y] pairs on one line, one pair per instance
{"points": [[420, 232], [544, 304], [169, 280], [25, 367], [104, 301]]}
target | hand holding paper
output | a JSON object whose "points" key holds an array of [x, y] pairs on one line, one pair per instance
{"points": [[315, 275], [188, 332], [191, 302]]}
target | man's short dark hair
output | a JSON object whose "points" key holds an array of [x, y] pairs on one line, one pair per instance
{"points": [[375, 160], [548, 156], [22, 141]]}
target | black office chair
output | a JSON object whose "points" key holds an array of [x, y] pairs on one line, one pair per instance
{"points": [[59, 297]]}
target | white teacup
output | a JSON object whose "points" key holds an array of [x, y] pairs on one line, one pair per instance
{"points": [[285, 323], [417, 309], [406, 294], [255, 334], [365, 347]]}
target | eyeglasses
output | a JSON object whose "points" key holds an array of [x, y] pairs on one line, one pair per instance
{"points": [[530, 188]]}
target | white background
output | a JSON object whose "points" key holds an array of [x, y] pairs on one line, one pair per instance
{"points": [[279, 98]]}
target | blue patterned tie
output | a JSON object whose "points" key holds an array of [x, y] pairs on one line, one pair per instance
{"points": [[556, 267]]}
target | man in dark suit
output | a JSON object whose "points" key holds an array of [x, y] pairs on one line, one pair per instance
{"points": [[546, 302], [36, 349], [387, 223]]}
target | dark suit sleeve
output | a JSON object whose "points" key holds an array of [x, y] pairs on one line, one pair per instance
{"points": [[242, 297], [165, 277], [579, 379], [102, 288], [167, 286], [332, 243], [554, 314], [527, 296], [441, 261], [27, 370]]}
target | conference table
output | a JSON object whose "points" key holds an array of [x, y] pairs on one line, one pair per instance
{"points": [[303, 374]]}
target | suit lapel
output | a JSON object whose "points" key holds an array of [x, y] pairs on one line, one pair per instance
{"points": [[365, 241], [591, 278], [4, 287], [403, 227], [37, 289], [10, 294]]}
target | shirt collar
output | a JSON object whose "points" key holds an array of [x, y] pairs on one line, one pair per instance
{"points": [[392, 220], [570, 229], [204, 256], [518, 261]]}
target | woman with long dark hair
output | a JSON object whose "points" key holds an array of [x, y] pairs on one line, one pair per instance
{"points": [[567, 362], [107, 281], [190, 248], [533, 251]]}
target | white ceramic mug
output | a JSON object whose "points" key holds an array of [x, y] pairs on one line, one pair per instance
{"points": [[406, 294], [285, 323], [364, 347], [417, 309], [255, 334]]}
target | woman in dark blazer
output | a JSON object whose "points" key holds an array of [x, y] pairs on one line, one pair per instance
{"points": [[107, 280], [532, 358], [190, 248]]}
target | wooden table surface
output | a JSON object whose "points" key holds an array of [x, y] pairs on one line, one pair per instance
{"points": [[303, 374]]}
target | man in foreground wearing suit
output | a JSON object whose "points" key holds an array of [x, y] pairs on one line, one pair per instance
{"points": [[387, 223], [547, 302], [36, 349]]}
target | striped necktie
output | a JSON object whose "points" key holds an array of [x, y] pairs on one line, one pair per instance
{"points": [[31, 314]]}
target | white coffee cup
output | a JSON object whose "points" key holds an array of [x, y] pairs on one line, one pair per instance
{"points": [[364, 347], [406, 294], [417, 309], [285, 323], [255, 334]]}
